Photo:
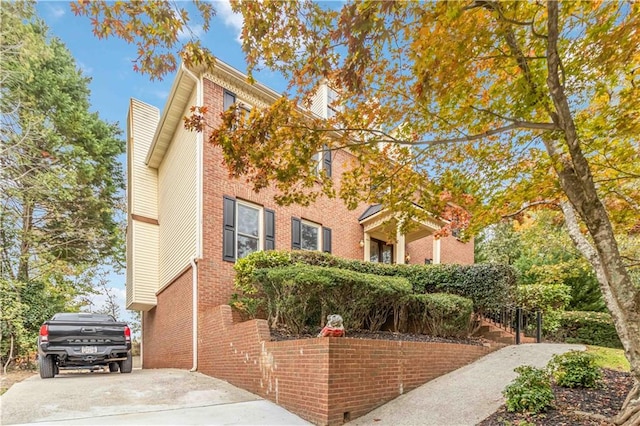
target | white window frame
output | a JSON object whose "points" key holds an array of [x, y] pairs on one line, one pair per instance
{"points": [[260, 210], [314, 225]]}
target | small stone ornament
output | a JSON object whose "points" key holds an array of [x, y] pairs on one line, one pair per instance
{"points": [[334, 327]]}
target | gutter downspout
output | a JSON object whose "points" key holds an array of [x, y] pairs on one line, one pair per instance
{"points": [[194, 273], [199, 200]]}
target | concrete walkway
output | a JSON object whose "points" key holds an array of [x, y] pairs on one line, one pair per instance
{"points": [[465, 396]]}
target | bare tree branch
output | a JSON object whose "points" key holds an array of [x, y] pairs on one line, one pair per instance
{"points": [[530, 205]]}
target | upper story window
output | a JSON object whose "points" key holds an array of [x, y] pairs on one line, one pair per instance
{"points": [[322, 161], [228, 100]]}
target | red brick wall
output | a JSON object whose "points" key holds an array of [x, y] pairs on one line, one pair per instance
{"points": [[321, 379], [167, 328], [452, 250], [216, 276]]}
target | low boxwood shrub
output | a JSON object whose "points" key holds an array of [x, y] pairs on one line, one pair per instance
{"points": [[588, 328], [530, 391], [438, 314], [575, 369], [299, 296]]}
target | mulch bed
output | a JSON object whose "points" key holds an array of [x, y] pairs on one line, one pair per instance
{"points": [[605, 401], [278, 335]]}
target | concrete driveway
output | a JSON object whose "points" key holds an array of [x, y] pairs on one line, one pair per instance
{"points": [[144, 397]]}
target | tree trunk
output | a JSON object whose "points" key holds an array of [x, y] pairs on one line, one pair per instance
{"points": [[621, 295], [25, 243], [10, 357]]}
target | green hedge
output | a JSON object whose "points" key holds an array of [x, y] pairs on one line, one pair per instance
{"points": [[490, 286], [589, 328], [439, 314], [299, 296]]}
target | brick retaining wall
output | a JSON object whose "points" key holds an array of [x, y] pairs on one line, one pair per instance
{"points": [[323, 380]]}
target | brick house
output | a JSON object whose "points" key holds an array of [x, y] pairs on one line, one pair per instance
{"points": [[188, 221]]}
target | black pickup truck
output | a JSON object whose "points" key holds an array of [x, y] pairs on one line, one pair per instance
{"points": [[83, 340]]}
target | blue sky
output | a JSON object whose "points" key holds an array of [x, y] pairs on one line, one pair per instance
{"points": [[113, 81]]}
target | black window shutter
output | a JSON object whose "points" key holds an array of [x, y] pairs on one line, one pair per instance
{"points": [[295, 233], [229, 229], [326, 240], [269, 229], [326, 160]]}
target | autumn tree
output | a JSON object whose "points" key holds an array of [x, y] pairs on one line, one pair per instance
{"points": [[60, 180], [500, 106]]}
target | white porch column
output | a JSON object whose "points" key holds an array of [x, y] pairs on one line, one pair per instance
{"points": [[399, 248], [367, 247], [436, 250]]}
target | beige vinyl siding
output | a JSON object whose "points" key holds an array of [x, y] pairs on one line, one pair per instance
{"points": [[177, 180], [144, 271], [142, 201], [319, 102], [144, 192]]}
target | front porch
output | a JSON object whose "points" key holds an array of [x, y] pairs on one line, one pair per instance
{"points": [[383, 241]]}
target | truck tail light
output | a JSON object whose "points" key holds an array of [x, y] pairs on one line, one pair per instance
{"points": [[44, 333], [127, 333]]}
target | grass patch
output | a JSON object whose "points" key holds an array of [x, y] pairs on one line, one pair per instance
{"points": [[613, 359]]}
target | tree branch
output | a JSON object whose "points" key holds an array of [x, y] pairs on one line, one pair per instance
{"points": [[522, 123], [468, 138], [530, 205]]}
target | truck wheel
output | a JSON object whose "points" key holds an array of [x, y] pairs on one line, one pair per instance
{"points": [[113, 367], [127, 365], [47, 367]]}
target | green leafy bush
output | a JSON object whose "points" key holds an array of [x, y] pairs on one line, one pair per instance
{"points": [[589, 328], [489, 286], [438, 314], [551, 299], [299, 296], [575, 369], [530, 391]]}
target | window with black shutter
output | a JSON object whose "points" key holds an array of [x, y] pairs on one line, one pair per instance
{"points": [[326, 160], [269, 229], [295, 233], [307, 235], [229, 229], [246, 228], [326, 240]]}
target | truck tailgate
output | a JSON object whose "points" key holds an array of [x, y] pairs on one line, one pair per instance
{"points": [[70, 333]]}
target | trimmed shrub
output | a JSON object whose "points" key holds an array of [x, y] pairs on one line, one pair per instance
{"points": [[575, 369], [530, 391], [439, 314], [299, 296], [490, 286], [588, 328]]}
